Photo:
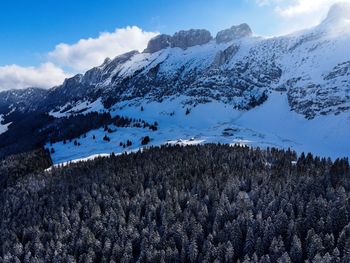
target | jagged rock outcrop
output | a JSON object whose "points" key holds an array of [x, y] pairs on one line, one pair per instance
{"points": [[235, 32], [73, 81], [182, 39], [95, 75], [189, 38], [158, 43], [341, 70], [193, 37], [224, 56]]}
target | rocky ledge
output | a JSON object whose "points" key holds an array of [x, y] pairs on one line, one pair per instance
{"points": [[233, 33], [193, 37], [182, 39]]}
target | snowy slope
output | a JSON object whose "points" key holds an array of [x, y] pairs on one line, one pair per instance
{"points": [[3, 127], [269, 125]]}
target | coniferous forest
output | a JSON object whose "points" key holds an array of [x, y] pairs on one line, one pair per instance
{"points": [[210, 203]]}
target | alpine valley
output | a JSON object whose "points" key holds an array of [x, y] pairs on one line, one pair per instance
{"points": [[289, 91]]}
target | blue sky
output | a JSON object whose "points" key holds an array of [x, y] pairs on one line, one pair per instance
{"points": [[31, 31], [29, 28]]}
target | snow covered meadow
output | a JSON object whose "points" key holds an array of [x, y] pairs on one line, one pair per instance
{"points": [[272, 124]]}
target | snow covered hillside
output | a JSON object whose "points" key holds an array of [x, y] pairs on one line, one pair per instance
{"points": [[237, 68], [272, 124], [288, 91], [3, 127]]}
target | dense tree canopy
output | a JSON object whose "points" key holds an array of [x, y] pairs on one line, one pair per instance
{"points": [[206, 203]]}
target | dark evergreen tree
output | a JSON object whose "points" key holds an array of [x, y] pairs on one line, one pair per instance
{"points": [[296, 252], [145, 140]]}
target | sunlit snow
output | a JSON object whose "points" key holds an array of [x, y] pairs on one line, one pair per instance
{"points": [[269, 125]]}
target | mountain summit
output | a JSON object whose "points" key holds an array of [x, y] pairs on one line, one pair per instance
{"points": [[233, 33], [182, 39]]}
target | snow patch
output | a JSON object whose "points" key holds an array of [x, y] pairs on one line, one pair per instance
{"points": [[3, 127], [80, 107]]}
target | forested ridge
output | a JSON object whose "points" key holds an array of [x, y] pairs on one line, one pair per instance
{"points": [[210, 203], [31, 131]]}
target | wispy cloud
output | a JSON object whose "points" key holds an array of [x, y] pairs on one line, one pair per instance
{"points": [[299, 14], [304, 7], [90, 52]]}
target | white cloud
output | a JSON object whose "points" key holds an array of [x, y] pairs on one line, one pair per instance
{"points": [[87, 53], [299, 14], [305, 7], [78, 57], [45, 76]]}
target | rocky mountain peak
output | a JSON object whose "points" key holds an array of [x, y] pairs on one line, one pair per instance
{"points": [[106, 61], [235, 32], [158, 43], [189, 38], [193, 37], [73, 80], [182, 39]]}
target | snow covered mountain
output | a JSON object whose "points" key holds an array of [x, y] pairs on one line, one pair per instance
{"points": [[287, 91]]}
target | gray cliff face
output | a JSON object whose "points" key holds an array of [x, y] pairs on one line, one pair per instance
{"points": [[182, 39], [235, 32], [193, 37], [224, 56], [97, 74], [158, 43], [190, 38]]}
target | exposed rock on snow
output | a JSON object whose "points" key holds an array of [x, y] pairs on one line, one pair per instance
{"points": [[233, 33], [182, 39], [158, 43], [185, 39], [223, 57]]}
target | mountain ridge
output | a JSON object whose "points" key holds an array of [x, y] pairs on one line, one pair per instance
{"points": [[122, 74], [237, 70]]}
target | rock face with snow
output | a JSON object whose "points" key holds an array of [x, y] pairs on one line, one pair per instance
{"points": [[235, 32], [21, 99]]}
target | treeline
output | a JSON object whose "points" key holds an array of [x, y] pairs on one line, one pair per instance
{"points": [[32, 131], [211, 203], [68, 128], [26, 133]]}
